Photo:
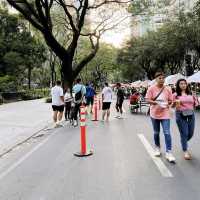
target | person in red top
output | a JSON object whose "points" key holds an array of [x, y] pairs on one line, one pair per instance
{"points": [[134, 101], [160, 98], [134, 98]]}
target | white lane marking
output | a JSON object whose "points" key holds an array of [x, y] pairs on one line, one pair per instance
{"points": [[15, 165], [159, 163]]}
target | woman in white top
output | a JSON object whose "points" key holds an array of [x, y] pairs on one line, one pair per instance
{"points": [[68, 100]]}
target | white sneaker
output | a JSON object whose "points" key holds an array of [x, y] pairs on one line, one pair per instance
{"points": [[55, 125], [169, 156], [157, 152], [75, 123], [59, 124]]}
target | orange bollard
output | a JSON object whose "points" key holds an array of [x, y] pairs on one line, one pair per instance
{"points": [[95, 110], [83, 151]]}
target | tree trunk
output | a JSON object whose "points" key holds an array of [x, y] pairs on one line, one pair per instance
{"points": [[67, 74], [52, 67], [29, 77]]}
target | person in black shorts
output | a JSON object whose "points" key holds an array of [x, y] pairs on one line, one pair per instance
{"points": [[120, 100], [57, 103], [107, 99]]}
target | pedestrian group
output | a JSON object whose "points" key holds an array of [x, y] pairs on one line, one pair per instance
{"points": [[159, 96]]}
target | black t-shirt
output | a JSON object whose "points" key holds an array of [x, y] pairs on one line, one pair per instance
{"points": [[120, 94]]}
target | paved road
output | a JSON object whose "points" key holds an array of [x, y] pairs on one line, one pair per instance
{"points": [[120, 169], [20, 120]]}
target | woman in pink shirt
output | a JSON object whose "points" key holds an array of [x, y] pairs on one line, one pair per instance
{"points": [[160, 97], [185, 104]]}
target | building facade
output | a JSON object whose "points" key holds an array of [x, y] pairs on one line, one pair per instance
{"points": [[142, 24]]}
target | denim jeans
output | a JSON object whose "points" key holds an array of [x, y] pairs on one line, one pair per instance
{"points": [[166, 130], [186, 128]]}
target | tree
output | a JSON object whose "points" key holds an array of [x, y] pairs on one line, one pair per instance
{"points": [[103, 67], [19, 50], [163, 49], [75, 15]]}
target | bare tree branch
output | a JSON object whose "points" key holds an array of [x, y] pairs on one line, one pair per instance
{"points": [[108, 2], [37, 24], [87, 59], [68, 15]]}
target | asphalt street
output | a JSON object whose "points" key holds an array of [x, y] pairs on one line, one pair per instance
{"points": [[20, 120], [121, 168]]}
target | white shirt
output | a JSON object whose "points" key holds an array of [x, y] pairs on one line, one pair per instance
{"points": [[56, 93], [107, 94], [68, 97]]}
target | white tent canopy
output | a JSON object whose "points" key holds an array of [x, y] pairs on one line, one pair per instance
{"points": [[136, 84], [195, 78], [152, 82], [145, 83], [172, 79]]}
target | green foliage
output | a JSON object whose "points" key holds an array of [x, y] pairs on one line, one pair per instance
{"points": [[148, 7], [103, 67], [35, 94], [20, 51], [7, 83], [165, 48]]}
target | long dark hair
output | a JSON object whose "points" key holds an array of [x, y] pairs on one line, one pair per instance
{"points": [[178, 89]]}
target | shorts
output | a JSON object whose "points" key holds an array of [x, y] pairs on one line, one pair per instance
{"points": [[89, 101], [106, 105], [58, 108]]}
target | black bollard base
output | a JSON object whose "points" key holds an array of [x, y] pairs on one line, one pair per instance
{"points": [[79, 154]]}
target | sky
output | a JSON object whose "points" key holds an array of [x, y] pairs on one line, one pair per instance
{"points": [[118, 37], [121, 31]]}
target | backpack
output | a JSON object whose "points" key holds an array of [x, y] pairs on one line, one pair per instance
{"points": [[78, 95], [90, 92]]}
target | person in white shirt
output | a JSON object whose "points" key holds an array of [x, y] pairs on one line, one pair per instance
{"points": [[57, 103], [107, 100]]}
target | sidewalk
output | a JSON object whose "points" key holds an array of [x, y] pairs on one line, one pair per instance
{"points": [[20, 120]]}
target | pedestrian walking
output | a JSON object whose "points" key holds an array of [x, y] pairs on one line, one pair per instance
{"points": [[120, 100], [57, 103], [107, 100], [185, 104], [160, 98], [79, 93], [90, 93], [68, 101]]}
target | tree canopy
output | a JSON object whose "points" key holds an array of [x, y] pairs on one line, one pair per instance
{"points": [[20, 51], [166, 48]]}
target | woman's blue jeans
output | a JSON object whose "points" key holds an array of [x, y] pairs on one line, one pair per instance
{"points": [[186, 128], [166, 130]]}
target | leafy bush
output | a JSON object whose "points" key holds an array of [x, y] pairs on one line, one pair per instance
{"points": [[35, 94], [7, 84]]}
